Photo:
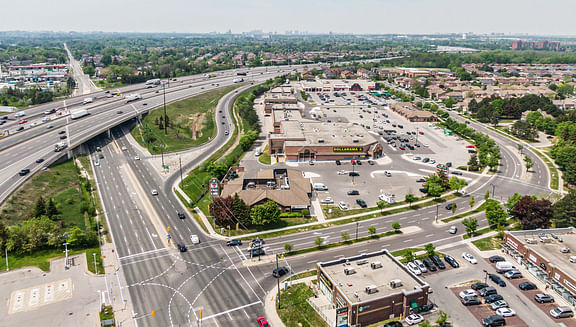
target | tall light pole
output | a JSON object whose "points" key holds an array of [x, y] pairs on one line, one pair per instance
{"points": [[6, 253], [66, 265], [95, 267], [437, 205], [493, 189], [181, 180], [278, 281], [165, 116]]}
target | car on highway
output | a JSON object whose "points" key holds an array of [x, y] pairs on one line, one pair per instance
{"points": [[496, 279], [361, 203], [414, 319], [257, 252], [343, 205], [451, 261], [101, 156], [154, 192], [468, 292], [341, 172], [181, 215], [182, 247], [280, 271], [505, 312], [19, 128], [262, 322], [478, 286], [470, 300], [62, 137], [39, 160], [526, 286], [449, 206], [353, 192], [49, 126], [456, 172], [23, 171], [136, 158], [195, 239], [234, 243], [124, 148], [496, 258], [493, 298], [421, 180], [23, 121], [119, 112], [62, 132], [470, 258], [543, 298]]}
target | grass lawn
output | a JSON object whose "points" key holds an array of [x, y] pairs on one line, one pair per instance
{"points": [[106, 316], [295, 311], [264, 158], [488, 243], [41, 259], [191, 123], [305, 274], [284, 222], [47, 184], [68, 203]]}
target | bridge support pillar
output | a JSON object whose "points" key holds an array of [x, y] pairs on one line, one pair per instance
{"points": [[108, 134]]}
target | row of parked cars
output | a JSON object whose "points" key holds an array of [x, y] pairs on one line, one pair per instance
{"points": [[433, 263]]}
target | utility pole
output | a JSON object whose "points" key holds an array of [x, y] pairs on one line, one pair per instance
{"points": [[493, 189], [95, 267], [437, 205], [165, 116], [6, 253], [278, 282], [162, 149], [181, 180], [66, 265]]}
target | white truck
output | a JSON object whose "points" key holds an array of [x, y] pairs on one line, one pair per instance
{"points": [[78, 113], [87, 100], [60, 146], [133, 97], [238, 80]]}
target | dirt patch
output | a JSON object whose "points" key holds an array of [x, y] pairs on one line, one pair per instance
{"points": [[195, 124]]}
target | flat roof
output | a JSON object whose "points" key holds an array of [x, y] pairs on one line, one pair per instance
{"points": [[365, 276], [551, 251], [323, 134]]}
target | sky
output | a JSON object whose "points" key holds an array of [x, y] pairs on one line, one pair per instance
{"points": [[536, 17]]}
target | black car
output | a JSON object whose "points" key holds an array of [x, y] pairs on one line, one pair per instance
{"points": [[421, 180], [257, 252], [338, 163], [493, 298], [393, 324], [471, 300], [496, 279], [182, 247], [39, 160], [280, 272], [449, 206], [478, 286], [451, 261], [20, 128], [526, 286], [234, 243], [361, 203], [119, 112], [429, 265], [438, 262], [181, 215], [493, 321], [353, 173], [423, 190], [353, 192], [543, 298], [359, 163], [101, 156], [62, 132], [23, 171], [496, 258]]}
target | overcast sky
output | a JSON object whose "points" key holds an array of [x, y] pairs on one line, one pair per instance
{"points": [[315, 16]]}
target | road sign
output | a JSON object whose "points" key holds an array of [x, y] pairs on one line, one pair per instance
{"points": [[214, 187]]}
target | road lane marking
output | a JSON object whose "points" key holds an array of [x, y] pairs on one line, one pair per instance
{"points": [[231, 310]]}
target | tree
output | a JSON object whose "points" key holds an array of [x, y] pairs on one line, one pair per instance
{"points": [[471, 225], [345, 236], [241, 210], [434, 189], [39, 208], [471, 201], [221, 209], [512, 200], [442, 318], [268, 213], [425, 323], [3, 235], [564, 210], [409, 255], [381, 205], [495, 214], [396, 226], [533, 213], [456, 183], [372, 231], [473, 163], [51, 210], [410, 198], [106, 60], [528, 163], [453, 208], [318, 241], [288, 247], [429, 249], [487, 195]]}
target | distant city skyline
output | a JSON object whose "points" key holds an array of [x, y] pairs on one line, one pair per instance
{"points": [[314, 17]]}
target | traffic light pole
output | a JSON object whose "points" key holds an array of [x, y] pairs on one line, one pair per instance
{"points": [[278, 281]]}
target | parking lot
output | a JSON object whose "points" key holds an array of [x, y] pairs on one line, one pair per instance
{"points": [[447, 284]]}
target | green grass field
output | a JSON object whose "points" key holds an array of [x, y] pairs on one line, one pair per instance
{"points": [[41, 259], [488, 243], [68, 203], [295, 311], [191, 123]]}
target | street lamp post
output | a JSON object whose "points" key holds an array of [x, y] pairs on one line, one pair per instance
{"points": [[181, 180], [278, 281], [437, 205], [95, 267], [66, 265], [493, 189], [165, 116]]}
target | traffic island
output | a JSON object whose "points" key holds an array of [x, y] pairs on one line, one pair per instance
{"points": [[107, 316]]}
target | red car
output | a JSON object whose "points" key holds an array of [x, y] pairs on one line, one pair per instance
{"points": [[401, 148], [262, 322], [470, 147], [24, 121], [421, 133], [353, 162]]}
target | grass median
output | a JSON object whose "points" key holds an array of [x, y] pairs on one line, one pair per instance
{"points": [[295, 311]]}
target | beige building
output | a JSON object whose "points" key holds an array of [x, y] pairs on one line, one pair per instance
{"points": [[413, 113]]}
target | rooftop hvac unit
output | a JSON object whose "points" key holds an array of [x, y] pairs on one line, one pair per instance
{"points": [[395, 283], [355, 141], [320, 140], [371, 289], [376, 264], [349, 271]]}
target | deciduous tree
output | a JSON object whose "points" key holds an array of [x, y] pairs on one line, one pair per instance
{"points": [[533, 213]]}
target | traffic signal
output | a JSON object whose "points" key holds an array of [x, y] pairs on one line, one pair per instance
{"points": [[153, 313]]}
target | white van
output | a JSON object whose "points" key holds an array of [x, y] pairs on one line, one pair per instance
{"points": [[504, 266], [319, 187]]}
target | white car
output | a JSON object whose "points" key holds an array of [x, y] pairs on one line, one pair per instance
{"points": [[343, 205], [470, 258], [194, 239], [327, 201], [387, 173], [421, 266], [468, 292], [432, 161], [342, 172], [505, 312], [426, 145], [154, 192], [414, 268], [124, 148], [136, 158], [414, 319], [96, 163]]}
